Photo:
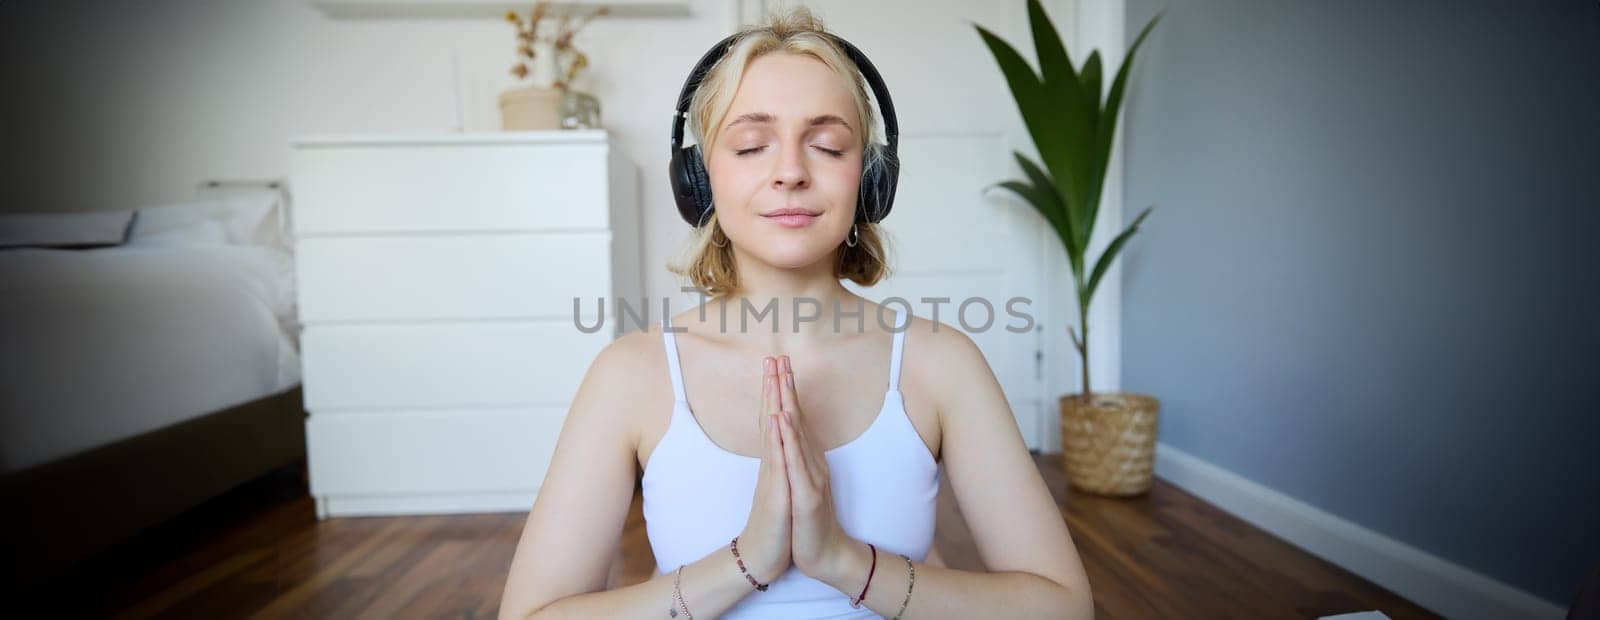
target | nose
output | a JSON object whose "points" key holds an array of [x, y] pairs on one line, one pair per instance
{"points": [[791, 172]]}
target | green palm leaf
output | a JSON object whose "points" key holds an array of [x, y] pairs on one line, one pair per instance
{"points": [[1049, 129], [1104, 134], [1110, 254], [1091, 82], [1066, 229], [1042, 200], [1064, 154], [1073, 133]]}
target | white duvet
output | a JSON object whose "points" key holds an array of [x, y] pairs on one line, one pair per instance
{"points": [[98, 345]]}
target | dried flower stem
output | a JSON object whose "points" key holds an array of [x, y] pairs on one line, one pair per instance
{"points": [[561, 42]]}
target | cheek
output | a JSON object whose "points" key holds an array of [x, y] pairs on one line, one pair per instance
{"points": [[729, 184], [848, 169], [848, 183], [733, 171]]}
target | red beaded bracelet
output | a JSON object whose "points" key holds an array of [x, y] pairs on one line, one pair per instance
{"points": [[857, 603], [734, 544]]}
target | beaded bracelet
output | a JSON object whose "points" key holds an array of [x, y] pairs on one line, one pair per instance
{"points": [[677, 597], [913, 570], [734, 544]]}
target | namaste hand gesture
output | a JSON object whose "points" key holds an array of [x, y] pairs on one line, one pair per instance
{"points": [[791, 517], [817, 540]]}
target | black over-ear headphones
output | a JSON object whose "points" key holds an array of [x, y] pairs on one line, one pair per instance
{"points": [[691, 186]]}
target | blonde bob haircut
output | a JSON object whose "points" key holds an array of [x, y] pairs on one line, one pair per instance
{"points": [[709, 261]]}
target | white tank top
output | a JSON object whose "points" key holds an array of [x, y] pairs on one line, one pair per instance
{"points": [[697, 497]]}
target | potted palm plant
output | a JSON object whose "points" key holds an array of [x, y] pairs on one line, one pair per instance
{"points": [[1107, 439]]}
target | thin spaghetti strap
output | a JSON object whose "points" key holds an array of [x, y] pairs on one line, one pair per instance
{"points": [[902, 320], [672, 361]]}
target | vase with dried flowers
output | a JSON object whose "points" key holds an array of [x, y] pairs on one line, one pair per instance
{"points": [[547, 67]]}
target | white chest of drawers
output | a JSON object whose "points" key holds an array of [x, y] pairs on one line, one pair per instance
{"points": [[436, 281]]}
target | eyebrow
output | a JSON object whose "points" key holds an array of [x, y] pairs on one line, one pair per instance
{"points": [[763, 117]]}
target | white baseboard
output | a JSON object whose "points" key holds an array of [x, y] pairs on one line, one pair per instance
{"points": [[1441, 586]]}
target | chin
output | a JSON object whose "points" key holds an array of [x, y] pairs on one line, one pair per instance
{"points": [[791, 250]]}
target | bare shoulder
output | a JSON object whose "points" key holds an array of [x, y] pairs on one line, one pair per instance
{"points": [[623, 360], [619, 377], [947, 358], [633, 351], [940, 365], [945, 339]]}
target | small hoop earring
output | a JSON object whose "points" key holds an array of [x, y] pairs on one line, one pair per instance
{"points": [[714, 235], [852, 238]]}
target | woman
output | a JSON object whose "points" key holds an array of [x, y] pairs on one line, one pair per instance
{"points": [[823, 507]]}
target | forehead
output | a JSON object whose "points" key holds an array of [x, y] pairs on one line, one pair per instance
{"points": [[792, 87]]}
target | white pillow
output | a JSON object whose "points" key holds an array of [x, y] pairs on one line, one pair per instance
{"points": [[228, 220], [71, 230], [270, 203], [178, 226]]}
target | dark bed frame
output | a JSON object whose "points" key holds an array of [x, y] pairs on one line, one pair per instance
{"points": [[59, 513]]}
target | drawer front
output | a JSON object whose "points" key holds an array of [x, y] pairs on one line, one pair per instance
{"points": [[440, 451], [448, 187], [434, 365], [452, 276]]}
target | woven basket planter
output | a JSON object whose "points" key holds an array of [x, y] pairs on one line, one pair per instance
{"points": [[1109, 445]]}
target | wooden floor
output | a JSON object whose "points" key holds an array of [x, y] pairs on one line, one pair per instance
{"points": [[260, 552]]}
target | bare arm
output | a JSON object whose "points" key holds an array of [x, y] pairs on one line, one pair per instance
{"points": [[564, 555], [711, 585], [1021, 537]]}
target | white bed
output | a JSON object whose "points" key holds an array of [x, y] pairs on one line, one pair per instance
{"points": [[143, 376], [107, 343]]}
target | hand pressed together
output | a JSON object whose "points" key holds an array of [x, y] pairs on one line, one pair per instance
{"points": [[793, 503], [764, 543], [818, 539]]}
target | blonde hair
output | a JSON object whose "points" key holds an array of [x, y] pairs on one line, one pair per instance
{"points": [[709, 260]]}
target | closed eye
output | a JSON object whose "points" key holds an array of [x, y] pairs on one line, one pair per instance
{"points": [[830, 152]]}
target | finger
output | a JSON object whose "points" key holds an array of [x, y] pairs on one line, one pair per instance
{"points": [[769, 472], [778, 384], [811, 459], [773, 402], [780, 469], [791, 400], [768, 393], [794, 455]]}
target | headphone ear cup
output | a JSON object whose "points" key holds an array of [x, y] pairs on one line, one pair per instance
{"points": [[694, 168], [891, 181], [878, 190], [866, 198], [684, 191], [876, 195]]}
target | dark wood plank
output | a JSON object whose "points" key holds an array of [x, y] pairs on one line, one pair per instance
{"points": [[1161, 554]]}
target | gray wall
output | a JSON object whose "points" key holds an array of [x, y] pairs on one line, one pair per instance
{"points": [[1370, 279]]}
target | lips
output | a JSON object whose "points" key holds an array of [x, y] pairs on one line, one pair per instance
{"points": [[790, 211], [792, 217]]}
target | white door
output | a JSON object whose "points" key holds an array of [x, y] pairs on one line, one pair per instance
{"points": [[958, 129]]}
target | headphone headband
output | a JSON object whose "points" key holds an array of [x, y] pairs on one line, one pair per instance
{"points": [[691, 186]]}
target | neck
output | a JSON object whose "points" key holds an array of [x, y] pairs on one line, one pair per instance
{"points": [[792, 305]]}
